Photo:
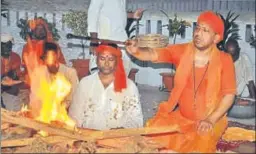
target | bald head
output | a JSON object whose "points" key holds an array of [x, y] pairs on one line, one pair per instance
{"points": [[6, 45], [232, 47]]}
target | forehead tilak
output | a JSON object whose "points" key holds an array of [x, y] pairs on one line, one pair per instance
{"points": [[106, 54]]}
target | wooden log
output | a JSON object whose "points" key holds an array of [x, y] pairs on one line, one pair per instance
{"points": [[81, 134], [123, 142], [14, 118], [133, 132], [53, 140], [27, 141], [106, 143], [5, 125]]}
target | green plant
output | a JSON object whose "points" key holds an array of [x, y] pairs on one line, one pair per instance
{"points": [[25, 30], [77, 21], [175, 26], [231, 29]]}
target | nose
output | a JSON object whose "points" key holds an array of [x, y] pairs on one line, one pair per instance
{"points": [[106, 63], [196, 35]]}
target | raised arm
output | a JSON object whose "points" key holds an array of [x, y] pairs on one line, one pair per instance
{"points": [[169, 54], [144, 54], [135, 15]]}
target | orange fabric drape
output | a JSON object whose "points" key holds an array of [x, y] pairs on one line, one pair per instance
{"points": [[210, 93], [37, 46], [14, 63], [183, 72], [188, 140]]}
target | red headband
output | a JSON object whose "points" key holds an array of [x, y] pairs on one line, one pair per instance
{"points": [[214, 21], [120, 76]]}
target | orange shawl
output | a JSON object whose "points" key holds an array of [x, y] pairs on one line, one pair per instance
{"points": [[183, 72]]}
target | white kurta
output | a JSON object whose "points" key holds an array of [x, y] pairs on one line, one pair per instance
{"points": [[96, 107], [243, 67], [108, 18]]}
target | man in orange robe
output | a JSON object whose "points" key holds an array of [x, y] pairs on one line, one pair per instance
{"points": [[204, 88], [40, 34]]}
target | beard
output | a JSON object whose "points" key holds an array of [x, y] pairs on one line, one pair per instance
{"points": [[202, 48], [40, 37]]}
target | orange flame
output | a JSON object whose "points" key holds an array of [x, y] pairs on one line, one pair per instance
{"points": [[47, 93]]}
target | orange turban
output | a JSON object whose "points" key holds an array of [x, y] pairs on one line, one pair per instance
{"points": [[120, 76], [38, 21], [214, 21]]}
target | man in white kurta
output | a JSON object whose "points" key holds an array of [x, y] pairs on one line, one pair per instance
{"points": [[96, 107], [244, 70], [101, 107], [107, 20]]}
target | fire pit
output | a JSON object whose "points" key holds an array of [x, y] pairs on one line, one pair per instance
{"points": [[44, 126], [22, 135]]}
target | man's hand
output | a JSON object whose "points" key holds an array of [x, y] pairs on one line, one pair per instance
{"points": [[141, 53], [138, 13], [131, 46], [9, 82], [204, 126]]}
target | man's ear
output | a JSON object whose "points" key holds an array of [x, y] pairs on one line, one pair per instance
{"points": [[216, 38]]}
